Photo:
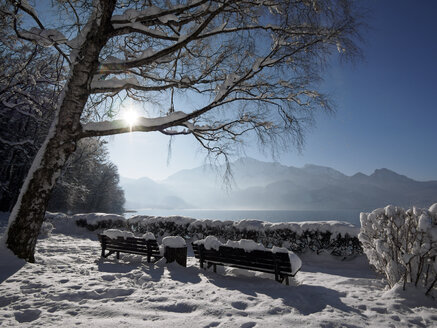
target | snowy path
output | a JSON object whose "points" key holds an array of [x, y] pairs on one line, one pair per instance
{"points": [[71, 286]]}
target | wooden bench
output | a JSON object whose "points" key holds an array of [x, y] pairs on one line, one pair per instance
{"points": [[257, 260], [131, 245]]}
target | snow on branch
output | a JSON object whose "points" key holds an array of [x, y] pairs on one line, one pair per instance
{"points": [[143, 124], [40, 35], [113, 84], [154, 13], [44, 37], [155, 56], [137, 27]]}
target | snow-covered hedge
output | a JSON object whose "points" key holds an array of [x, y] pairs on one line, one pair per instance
{"points": [[337, 238], [94, 221], [334, 237], [115, 233], [402, 244]]}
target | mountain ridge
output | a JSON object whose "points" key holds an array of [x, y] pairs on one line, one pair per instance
{"points": [[271, 185]]}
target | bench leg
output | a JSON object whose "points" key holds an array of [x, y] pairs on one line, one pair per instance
{"points": [[277, 277], [107, 254], [118, 255]]}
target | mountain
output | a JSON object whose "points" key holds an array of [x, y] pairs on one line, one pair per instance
{"points": [[264, 185], [146, 193]]}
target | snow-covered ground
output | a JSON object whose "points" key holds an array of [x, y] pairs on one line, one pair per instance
{"points": [[70, 285]]}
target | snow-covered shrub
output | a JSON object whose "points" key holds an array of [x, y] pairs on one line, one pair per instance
{"points": [[337, 238], [115, 233], [94, 221], [161, 226], [45, 230], [402, 244]]}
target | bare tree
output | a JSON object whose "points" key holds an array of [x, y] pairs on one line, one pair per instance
{"points": [[88, 182], [247, 66], [29, 86]]}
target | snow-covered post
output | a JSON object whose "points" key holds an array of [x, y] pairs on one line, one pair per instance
{"points": [[175, 249], [28, 213]]}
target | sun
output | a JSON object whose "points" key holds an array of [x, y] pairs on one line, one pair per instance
{"points": [[131, 117]]}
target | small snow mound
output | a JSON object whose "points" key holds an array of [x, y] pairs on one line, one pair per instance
{"points": [[246, 244], [115, 233], [148, 236], [425, 223], [276, 249], [210, 242], [45, 230], [174, 242], [433, 209], [295, 262], [390, 210]]}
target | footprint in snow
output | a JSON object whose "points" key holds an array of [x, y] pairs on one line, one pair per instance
{"points": [[248, 324], [239, 305], [27, 315], [178, 307]]}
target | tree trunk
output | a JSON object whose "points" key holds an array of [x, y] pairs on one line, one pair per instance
{"points": [[28, 213]]}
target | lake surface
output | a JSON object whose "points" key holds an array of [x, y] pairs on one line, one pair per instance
{"points": [[352, 216]]}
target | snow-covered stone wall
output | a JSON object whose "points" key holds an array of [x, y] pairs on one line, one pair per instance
{"points": [[402, 244]]}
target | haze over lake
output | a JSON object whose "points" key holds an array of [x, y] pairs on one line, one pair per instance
{"points": [[352, 216], [274, 192]]}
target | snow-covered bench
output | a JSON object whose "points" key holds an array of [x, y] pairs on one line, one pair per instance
{"points": [[116, 241], [246, 254]]}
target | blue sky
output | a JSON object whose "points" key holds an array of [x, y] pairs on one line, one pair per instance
{"points": [[386, 112]]}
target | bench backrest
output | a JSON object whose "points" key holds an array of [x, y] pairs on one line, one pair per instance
{"points": [[266, 261], [130, 244]]}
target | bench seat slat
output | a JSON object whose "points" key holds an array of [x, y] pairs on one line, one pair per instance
{"points": [[131, 248], [271, 261], [131, 251], [123, 244], [253, 268], [284, 268]]}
